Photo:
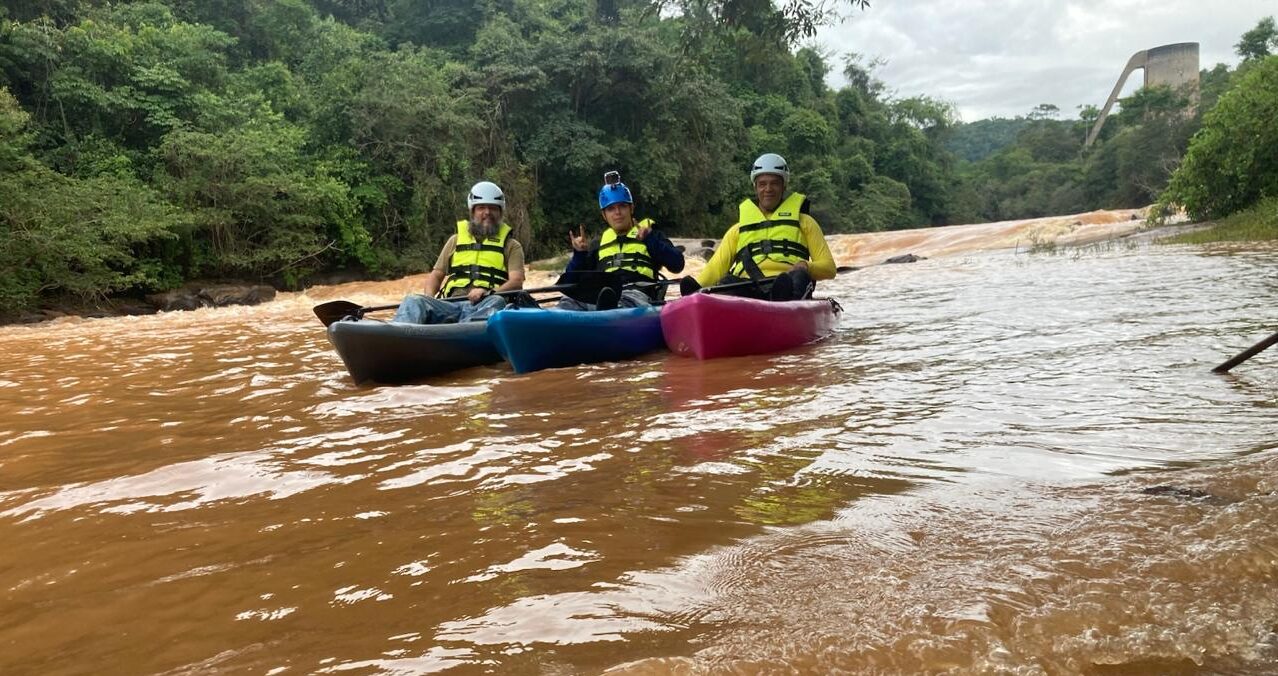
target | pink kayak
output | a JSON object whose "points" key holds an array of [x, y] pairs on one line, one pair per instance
{"points": [[706, 326]]}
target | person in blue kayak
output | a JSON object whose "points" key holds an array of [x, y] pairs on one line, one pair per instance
{"points": [[775, 242], [478, 261], [633, 250]]}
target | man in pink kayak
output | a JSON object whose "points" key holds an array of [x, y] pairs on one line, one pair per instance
{"points": [[775, 242]]}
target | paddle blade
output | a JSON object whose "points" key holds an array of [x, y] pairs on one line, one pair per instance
{"points": [[689, 286], [336, 310]]}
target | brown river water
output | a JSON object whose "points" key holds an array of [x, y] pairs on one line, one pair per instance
{"points": [[1004, 462]]}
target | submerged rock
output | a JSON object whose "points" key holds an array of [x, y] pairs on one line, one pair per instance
{"points": [[178, 299], [1176, 491], [696, 248], [1183, 493], [235, 294], [214, 295]]}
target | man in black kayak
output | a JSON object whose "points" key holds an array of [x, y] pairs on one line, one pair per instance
{"points": [[775, 242], [481, 259], [632, 250]]}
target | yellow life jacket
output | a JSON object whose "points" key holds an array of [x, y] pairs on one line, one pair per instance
{"points": [[758, 238], [626, 252], [474, 263]]}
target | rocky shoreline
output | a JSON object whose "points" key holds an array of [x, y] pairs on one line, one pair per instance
{"points": [[191, 296]]}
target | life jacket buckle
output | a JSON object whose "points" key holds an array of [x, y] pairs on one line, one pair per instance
{"points": [[766, 246]]}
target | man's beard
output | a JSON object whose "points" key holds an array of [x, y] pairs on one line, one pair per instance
{"points": [[481, 231]]}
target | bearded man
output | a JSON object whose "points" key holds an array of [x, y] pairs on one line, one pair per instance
{"points": [[478, 262]]}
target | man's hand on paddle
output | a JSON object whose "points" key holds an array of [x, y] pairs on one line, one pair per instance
{"points": [[578, 239], [476, 294]]}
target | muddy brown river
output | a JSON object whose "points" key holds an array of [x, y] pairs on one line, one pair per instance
{"points": [[1004, 462]]}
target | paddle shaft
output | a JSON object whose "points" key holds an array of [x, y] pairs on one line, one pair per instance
{"points": [[585, 282], [503, 294], [375, 308], [738, 285], [453, 299], [742, 284], [336, 310], [1246, 354]]}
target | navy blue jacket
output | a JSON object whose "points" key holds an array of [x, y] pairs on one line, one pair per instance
{"points": [[662, 252]]}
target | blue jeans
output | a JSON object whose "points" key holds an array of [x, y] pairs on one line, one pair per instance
{"points": [[629, 298], [419, 309]]}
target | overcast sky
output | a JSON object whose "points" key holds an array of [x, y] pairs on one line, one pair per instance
{"points": [[1004, 57]]}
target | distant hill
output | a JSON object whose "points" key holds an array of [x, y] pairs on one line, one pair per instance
{"points": [[975, 141]]}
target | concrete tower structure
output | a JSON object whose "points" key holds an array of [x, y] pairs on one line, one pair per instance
{"points": [[1175, 66]]}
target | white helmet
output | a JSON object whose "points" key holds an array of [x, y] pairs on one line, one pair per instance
{"points": [[485, 192], [770, 163]]}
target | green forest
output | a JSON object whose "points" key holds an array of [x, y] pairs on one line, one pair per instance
{"points": [[144, 144]]}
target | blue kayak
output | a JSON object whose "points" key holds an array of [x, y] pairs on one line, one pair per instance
{"points": [[532, 340]]}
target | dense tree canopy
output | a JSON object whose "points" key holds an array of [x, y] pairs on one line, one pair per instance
{"points": [[146, 143], [1232, 161], [1258, 42]]}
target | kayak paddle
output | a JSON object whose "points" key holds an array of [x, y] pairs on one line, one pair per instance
{"points": [[586, 283], [1246, 354], [688, 285]]}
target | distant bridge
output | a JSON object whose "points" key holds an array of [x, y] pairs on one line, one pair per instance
{"points": [[1173, 65]]}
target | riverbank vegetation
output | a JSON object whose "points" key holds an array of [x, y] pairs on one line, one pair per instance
{"points": [[1231, 169], [143, 144], [1257, 223]]}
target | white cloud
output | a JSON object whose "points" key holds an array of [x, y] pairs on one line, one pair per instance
{"points": [[1003, 58]]}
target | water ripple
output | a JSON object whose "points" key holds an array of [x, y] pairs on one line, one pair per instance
{"points": [[998, 464]]}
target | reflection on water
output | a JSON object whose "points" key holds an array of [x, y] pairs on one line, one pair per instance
{"points": [[952, 482]]}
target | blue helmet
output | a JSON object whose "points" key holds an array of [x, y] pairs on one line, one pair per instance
{"points": [[614, 193]]}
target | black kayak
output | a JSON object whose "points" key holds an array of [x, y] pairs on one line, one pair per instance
{"points": [[397, 352]]}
